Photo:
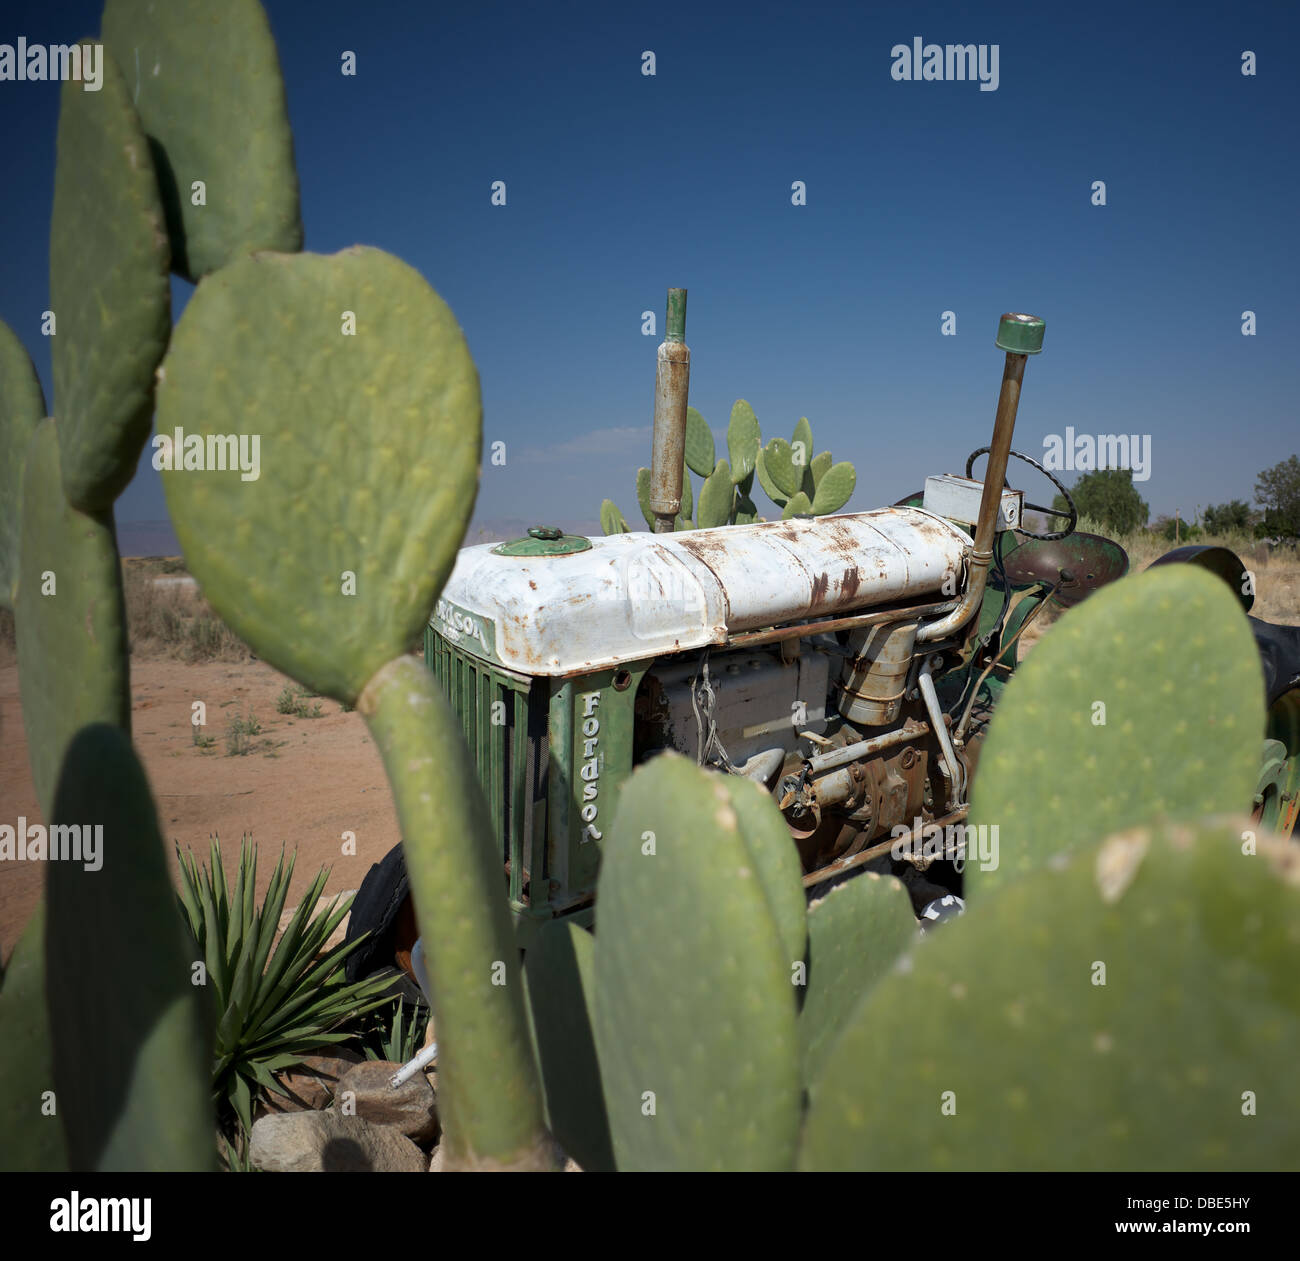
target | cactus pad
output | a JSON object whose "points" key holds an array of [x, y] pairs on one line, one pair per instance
{"points": [[369, 456], [835, 488], [1129, 1006], [797, 506], [778, 463], [802, 437], [699, 444], [855, 933], [743, 441], [770, 488], [30, 1140], [109, 289], [120, 978], [695, 1010], [820, 463], [1147, 700], [22, 408], [205, 78], [559, 972], [611, 519], [72, 642], [643, 496], [716, 497]]}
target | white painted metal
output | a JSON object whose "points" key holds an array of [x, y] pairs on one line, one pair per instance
{"points": [[958, 499], [636, 596]]}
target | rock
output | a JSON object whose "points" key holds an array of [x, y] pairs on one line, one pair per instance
{"points": [[435, 1161], [329, 1142], [412, 1109], [310, 1084], [572, 1166]]}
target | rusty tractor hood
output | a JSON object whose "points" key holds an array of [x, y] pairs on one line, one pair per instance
{"points": [[630, 597]]}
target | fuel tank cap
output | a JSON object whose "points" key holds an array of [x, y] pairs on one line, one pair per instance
{"points": [[544, 540]]}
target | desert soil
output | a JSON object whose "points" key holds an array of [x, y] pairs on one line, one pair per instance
{"points": [[303, 784]]}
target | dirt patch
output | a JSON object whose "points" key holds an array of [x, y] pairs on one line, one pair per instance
{"points": [[302, 783]]}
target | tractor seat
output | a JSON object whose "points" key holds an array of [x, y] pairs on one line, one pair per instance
{"points": [[1279, 654]]}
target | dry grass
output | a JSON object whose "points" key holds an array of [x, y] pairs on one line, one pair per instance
{"points": [[164, 619]]}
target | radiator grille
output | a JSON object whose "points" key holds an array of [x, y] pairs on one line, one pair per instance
{"points": [[510, 753]]}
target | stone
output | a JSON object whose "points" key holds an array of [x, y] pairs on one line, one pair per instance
{"points": [[412, 1109], [330, 1142], [311, 1084]]}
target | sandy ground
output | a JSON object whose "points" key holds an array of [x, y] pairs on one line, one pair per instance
{"points": [[304, 782]]}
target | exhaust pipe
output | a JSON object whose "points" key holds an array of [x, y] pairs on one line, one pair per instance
{"points": [[1020, 336], [672, 389]]}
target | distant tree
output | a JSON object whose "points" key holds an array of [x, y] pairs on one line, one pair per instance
{"points": [[1225, 518], [1278, 490], [1108, 495], [1174, 530]]}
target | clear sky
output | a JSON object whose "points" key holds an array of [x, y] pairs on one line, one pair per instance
{"points": [[922, 197]]}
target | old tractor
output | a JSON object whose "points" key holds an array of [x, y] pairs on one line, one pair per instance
{"points": [[848, 663]]}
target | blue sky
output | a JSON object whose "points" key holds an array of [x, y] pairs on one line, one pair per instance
{"points": [[922, 197]]}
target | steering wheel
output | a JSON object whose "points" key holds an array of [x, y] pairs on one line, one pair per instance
{"points": [[1072, 517]]}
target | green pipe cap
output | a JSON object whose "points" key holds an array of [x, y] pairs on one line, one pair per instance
{"points": [[1020, 334], [544, 540]]}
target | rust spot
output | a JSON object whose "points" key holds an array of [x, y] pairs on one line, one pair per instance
{"points": [[532, 584]]}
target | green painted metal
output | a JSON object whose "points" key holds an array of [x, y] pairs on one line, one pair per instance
{"points": [[675, 322], [544, 540], [1020, 334]]}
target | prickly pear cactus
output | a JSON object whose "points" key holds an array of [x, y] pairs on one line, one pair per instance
{"points": [[70, 617], [22, 408], [1145, 701], [798, 506], [695, 1007], [205, 78], [643, 496], [716, 498], [109, 289], [560, 973], [801, 443], [700, 456], [612, 520], [121, 978], [855, 934], [373, 478], [29, 1105], [1130, 1005], [743, 441], [834, 489], [780, 467]]}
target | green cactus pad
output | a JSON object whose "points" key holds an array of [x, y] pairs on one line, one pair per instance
{"points": [[695, 1011], [700, 456], [612, 520], [205, 78], [778, 463], [799, 504], [688, 501], [776, 861], [369, 456], [560, 984], [488, 1093], [1184, 1059], [120, 971], [22, 408], [72, 642], [1170, 656], [769, 486], [835, 488], [716, 497], [746, 510], [855, 933], [643, 496], [802, 434], [30, 1140], [820, 464], [109, 289], [743, 441]]}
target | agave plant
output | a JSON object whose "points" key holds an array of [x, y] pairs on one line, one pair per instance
{"points": [[273, 1006], [393, 1038]]}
